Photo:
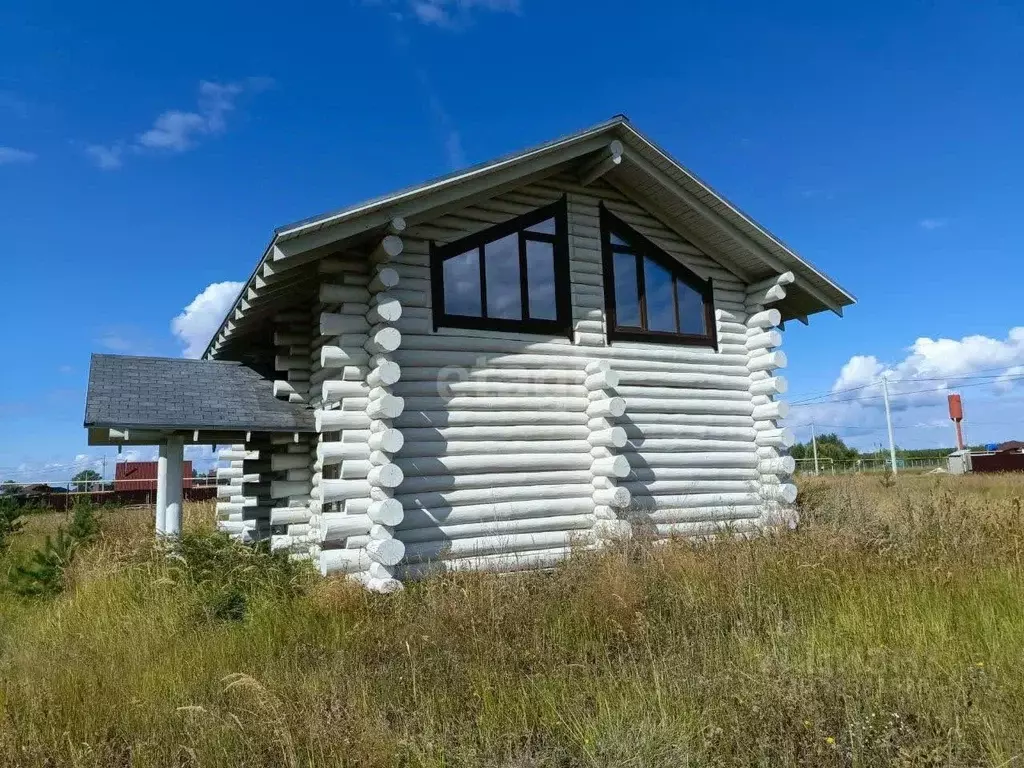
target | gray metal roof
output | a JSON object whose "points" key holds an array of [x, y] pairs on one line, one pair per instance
{"points": [[178, 393], [312, 223], [649, 173]]}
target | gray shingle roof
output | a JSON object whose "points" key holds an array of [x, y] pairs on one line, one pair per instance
{"points": [[167, 392]]}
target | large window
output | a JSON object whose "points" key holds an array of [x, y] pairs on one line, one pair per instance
{"points": [[649, 296], [510, 277]]}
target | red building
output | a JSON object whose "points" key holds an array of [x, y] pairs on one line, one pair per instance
{"points": [[141, 476]]}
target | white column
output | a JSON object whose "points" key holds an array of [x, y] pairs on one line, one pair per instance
{"points": [[161, 491], [175, 450]]}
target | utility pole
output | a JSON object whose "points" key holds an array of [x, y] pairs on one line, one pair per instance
{"points": [[814, 445], [888, 423]]}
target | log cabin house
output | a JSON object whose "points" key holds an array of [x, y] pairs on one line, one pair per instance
{"points": [[559, 347]]}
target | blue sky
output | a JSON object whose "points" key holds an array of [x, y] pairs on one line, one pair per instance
{"points": [[146, 154]]}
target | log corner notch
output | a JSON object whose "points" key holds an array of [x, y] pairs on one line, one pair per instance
{"points": [[763, 339], [600, 163], [356, 371], [607, 466], [242, 497], [290, 493], [286, 457], [291, 361]]}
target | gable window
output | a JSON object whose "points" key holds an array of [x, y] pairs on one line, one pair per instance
{"points": [[649, 296], [511, 277]]}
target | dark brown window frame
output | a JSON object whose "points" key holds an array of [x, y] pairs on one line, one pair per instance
{"points": [[561, 325], [641, 247]]}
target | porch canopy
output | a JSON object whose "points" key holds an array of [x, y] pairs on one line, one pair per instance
{"points": [[173, 401]]}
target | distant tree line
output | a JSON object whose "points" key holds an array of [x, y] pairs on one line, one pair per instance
{"points": [[831, 446]]}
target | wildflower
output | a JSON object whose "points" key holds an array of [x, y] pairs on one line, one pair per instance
{"points": [[980, 664], [830, 741]]}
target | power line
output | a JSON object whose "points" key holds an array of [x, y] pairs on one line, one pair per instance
{"points": [[833, 392], [945, 388], [980, 374], [838, 426]]}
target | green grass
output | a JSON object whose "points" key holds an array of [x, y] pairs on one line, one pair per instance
{"points": [[887, 630]]}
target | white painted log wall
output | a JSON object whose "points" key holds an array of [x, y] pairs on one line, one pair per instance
{"points": [[242, 508], [354, 478], [508, 442]]}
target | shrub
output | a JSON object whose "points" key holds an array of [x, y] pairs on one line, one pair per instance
{"points": [[43, 574], [85, 522], [10, 523], [229, 575]]}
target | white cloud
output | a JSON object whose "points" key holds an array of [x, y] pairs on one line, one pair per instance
{"points": [[200, 319], [858, 370], [944, 359], [200, 455], [138, 454], [430, 12], [12, 156], [1010, 378], [919, 384], [58, 471], [174, 130], [106, 158], [452, 13], [931, 224], [177, 130]]}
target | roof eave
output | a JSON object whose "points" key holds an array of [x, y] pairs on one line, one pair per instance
{"points": [[812, 281], [839, 297], [394, 201]]}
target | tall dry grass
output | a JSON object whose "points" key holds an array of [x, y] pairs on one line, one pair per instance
{"points": [[887, 630]]}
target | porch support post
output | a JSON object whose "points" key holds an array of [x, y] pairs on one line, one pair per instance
{"points": [[175, 462], [161, 491]]}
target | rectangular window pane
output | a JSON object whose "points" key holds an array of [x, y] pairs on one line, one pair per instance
{"points": [[691, 310], [540, 273], [501, 262], [462, 284], [547, 227], [661, 310], [627, 294]]}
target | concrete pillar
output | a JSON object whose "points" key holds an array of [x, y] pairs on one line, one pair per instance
{"points": [[161, 491], [175, 464]]}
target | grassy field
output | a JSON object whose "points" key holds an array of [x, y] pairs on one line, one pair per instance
{"points": [[887, 630]]}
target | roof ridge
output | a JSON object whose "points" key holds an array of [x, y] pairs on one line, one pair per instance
{"points": [[617, 119]]}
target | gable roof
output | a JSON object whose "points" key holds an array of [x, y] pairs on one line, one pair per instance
{"points": [[127, 392], [646, 172]]}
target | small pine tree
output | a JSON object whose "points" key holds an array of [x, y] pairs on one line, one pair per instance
{"points": [[43, 574], [10, 523], [85, 523]]}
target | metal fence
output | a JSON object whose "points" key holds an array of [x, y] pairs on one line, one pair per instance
{"points": [[95, 486], [64, 495], [828, 466]]}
